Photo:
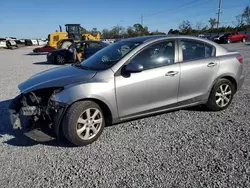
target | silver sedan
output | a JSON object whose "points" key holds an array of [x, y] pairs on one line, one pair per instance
{"points": [[130, 79]]}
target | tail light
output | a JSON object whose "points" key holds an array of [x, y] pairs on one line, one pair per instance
{"points": [[240, 58]]}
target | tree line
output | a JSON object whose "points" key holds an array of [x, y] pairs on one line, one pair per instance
{"points": [[241, 23], [122, 32]]}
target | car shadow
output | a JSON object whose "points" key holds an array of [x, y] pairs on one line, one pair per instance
{"points": [[17, 137], [44, 63], [36, 53], [200, 108]]}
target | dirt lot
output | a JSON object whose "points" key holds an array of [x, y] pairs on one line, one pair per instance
{"points": [[186, 148]]}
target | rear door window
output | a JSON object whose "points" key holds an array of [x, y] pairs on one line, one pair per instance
{"points": [[194, 50]]}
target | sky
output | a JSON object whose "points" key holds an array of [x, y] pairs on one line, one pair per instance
{"points": [[38, 18]]}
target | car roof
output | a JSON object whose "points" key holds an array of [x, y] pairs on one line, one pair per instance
{"points": [[88, 41], [144, 38], [170, 36]]}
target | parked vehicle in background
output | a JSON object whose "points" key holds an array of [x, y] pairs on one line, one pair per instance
{"points": [[45, 48], [28, 42], [130, 79], [20, 42], [62, 56], [232, 37], [202, 36], [3, 43], [34, 42], [11, 44], [109, 41], [42, 42]]}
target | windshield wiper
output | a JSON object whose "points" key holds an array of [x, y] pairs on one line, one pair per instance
{"points": [[84, 67]]}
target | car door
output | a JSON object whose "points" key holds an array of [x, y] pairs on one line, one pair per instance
{"points": [[155, 87], [235, 37], [198, 67]]}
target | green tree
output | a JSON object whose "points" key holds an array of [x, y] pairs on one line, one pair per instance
{"points": [[212, 22], [246, 15], [170, 31], [199, 25], [140, 30], [185, 27], [105, 34]]}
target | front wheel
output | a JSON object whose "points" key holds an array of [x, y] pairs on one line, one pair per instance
{"points": [[221, 95], [244, 40], [83, 123]]}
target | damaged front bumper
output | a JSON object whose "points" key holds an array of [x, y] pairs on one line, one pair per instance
{"points": [[41, 122]]}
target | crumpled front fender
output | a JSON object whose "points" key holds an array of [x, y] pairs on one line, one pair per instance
{"points": [[14, 109]]}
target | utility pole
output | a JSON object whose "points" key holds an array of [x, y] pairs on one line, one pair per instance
{"points": [[219, 12], [141, 20]]}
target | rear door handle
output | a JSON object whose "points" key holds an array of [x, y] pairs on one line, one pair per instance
{"points": [[212, 64], [171, 73]]}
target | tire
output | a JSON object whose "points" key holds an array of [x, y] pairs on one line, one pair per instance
{"points": [[76, 119], [229, 41], [60, 60], [244, 40], [217, 97]]}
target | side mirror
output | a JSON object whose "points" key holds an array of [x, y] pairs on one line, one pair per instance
{"points": [[133, 68]]}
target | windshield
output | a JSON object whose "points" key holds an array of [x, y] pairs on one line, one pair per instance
{"points": [[109, 56]]}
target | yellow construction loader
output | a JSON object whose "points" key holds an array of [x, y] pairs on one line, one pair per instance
{"points": [[63, 39]]}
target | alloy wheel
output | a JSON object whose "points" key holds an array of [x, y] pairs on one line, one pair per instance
{"points": [[60, 59], [223, 95], [89, 123]]}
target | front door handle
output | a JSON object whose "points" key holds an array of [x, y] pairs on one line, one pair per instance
{"points": [[212, 64], [171, 73]]}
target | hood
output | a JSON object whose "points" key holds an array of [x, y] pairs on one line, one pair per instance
{"points": [[56, 77]]}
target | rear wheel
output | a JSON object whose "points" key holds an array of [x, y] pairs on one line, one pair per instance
{"points": [[229, 41], [244, 40], [60, 60], [221, 95], [83, 123]]}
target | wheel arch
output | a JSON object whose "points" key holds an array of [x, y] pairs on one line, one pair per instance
{"points": [[231, 78], [105, 108]]}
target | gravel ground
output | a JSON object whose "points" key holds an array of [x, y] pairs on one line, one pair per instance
{"points": [[186, 148]]}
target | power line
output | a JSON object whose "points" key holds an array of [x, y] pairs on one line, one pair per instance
{"points": [[176, 10], [169, 10]]}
